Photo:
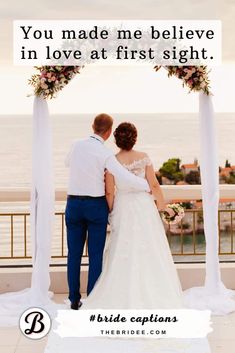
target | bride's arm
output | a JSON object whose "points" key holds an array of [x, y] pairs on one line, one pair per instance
{"points": [[109, 189], [155, 187]]}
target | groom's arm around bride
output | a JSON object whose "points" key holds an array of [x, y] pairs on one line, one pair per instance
{"points": [[87, 210]]}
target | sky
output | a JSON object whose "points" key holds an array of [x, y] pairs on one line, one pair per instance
{"points": [[116, 89]]}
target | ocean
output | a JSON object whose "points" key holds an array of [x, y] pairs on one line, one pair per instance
{"points": [[161, 135]]}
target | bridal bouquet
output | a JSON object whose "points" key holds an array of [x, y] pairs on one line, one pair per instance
{"points": [[175, 215], [52, 79]]}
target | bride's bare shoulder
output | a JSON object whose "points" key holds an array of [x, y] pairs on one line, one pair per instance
{"points": [[131, 157], [143, 159], [140, 155]]}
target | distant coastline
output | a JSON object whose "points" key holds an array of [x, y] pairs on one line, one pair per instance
{"points": [[173, 172]]}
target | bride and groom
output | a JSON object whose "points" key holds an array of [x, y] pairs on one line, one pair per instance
{"points": [[134, 268]]}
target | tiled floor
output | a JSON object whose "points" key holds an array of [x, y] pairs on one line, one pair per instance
{"points": [[222, 339]]}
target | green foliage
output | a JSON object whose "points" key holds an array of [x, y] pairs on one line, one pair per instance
{"points": [[171, 169], [227, 164], [187, 205], [178, 176], [185, 226]]}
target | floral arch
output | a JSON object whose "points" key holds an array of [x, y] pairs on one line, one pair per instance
{"points": [[52, 79], [46, 84]]}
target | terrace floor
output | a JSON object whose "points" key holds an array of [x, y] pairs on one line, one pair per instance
{"points": [[222, 339]]}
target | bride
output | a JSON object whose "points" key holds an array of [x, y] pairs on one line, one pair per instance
{"points": [[138, 269]]}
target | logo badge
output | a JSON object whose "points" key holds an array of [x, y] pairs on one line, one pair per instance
{"points": [[35, 323]]}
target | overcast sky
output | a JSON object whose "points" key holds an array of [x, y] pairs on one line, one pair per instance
{"points": [[115, 89]]}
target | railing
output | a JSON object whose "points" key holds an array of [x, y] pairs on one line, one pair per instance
{"points": [[15, 239], [190, 234], [186, 240]]}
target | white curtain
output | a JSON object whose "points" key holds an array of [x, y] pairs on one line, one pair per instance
{"points": [[42, 199], [42, 216], [213, 296], [210, 190]]}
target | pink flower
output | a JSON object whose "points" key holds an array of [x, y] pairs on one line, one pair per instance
{"points": [[190, 82], [177, 218]]}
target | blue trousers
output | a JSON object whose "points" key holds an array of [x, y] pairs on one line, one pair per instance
{"points": [[85, 217]]}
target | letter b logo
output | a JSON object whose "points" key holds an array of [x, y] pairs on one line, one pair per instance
{"points": [[35, 323]]}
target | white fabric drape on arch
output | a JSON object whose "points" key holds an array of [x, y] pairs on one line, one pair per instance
{"points": [[213, 296], [42, 215], [42, 199]]}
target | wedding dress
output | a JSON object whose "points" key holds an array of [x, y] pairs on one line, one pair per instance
{"points": [[138, 273], [138, 269]]}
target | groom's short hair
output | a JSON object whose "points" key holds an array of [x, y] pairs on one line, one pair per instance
{"points": [[102, 123]]}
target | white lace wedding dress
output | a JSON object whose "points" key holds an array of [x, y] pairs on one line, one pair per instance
{"points": [[138, 273], [138, 269]]}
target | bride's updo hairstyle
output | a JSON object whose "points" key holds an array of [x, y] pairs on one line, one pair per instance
{"points": [[125, 136]]}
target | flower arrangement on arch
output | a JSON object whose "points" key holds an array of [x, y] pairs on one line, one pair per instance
{"points": [[196, 78], [52, 79], [175, 215]]}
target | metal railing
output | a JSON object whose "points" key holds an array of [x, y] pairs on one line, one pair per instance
{"points": [[191, 239], [12, 240], [9, 218], [185, 239]]}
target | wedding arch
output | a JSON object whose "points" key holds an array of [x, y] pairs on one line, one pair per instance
{"points": [[47, 83], [52, 79]]}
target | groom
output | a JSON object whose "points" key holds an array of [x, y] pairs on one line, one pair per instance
{"points": [[87, 211]]}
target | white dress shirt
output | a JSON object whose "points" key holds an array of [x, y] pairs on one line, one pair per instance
{"points": [[87, 161]]}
